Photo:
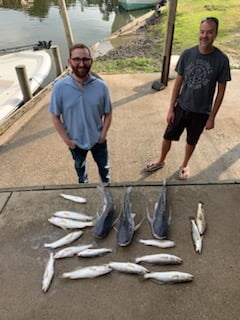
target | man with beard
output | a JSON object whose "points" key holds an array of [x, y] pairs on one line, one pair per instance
{"points": [[81, 112], [194, 104]]}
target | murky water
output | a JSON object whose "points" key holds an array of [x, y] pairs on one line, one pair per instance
{"points": [[25, 22]]}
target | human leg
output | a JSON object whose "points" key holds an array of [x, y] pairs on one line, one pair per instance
{"points": [[79, 157], [153, 166], [195, 125], [100, 156]]}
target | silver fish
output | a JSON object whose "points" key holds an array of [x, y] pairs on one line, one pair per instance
{"points": [[161, 219], [126, 228], [73, 198], [169, 277], [196, 237], [157, 243], [161, 258], [92, 253], [88, 272], [73, 215], [104, 221], [128, 267], [69, 223], [201, 218], [69, 238], [48, 273], [71, 251]]}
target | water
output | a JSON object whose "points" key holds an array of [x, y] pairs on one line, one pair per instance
{"points": [[27, 22]]}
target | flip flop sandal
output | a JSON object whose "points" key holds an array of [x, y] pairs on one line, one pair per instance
{"points": [[183, 173], [154, 166]]}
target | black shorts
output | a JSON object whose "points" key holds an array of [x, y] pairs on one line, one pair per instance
{"points": [[193, 122]]}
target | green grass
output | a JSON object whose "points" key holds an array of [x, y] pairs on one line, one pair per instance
{"points": [[188, 17]]}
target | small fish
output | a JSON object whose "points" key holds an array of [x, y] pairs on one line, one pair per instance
{"points": [[169, 277], [126, 226], [73, 215], [161, 220], [92, 253], [69, 238], [48, 273], [69, 223], [201, 218], [157, 243], [88, 272], [161, 258], [73, 198], [196, 237], [104, 221], [71, 251], [128, 267]]}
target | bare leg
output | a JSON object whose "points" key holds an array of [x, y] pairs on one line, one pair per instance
{"points": [[166, 146], [188, 153]]}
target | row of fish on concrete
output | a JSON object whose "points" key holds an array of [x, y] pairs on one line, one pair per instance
{"points": [[125, 228]]}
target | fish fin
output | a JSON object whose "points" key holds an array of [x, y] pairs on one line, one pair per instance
{"points": [[148, 216], [95, 244], [138, 225]]}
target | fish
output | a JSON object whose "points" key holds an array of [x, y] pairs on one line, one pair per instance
{"points": [[157, 243], [73, 198], [201, 218], [161, 219], [128, 267], [71, 251], [169, 277], [105, 220], [196, 237], [88, 272], [48, 273], [73, 215], [126, 228], [70, 223], [92, 253], [69, 238], [160, 258]]}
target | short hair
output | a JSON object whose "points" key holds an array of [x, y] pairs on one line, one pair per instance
{"points": [[212, 19], [79, 46]]}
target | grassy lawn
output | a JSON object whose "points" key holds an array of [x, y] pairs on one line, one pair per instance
{"points": [[188, 17]]}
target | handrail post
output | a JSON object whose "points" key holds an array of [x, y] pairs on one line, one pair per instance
{"points": [[24, 82], [57, 59]]}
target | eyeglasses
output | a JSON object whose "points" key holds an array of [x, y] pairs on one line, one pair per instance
{"points": [[215, 20], [84, 60]]}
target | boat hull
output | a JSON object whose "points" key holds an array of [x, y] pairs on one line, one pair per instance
{"points": [[129, 5], [37, 64]]}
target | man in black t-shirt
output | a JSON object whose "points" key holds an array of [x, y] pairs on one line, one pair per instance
{"points": [[193, 107]]}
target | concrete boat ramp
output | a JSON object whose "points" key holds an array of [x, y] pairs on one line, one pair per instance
{"points": [[36, 167]]}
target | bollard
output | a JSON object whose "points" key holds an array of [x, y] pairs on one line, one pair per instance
{"points": [[24, 82], [57, 59]]}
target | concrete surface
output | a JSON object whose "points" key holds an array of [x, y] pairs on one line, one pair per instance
{"points": [[36, 166]]}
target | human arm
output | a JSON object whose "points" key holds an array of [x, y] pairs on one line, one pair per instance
{"points": [[106, 125], [217, 104], [175, 94], [57, 122]]}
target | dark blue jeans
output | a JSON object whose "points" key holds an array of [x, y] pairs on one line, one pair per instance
{"points": [[100, 155]]}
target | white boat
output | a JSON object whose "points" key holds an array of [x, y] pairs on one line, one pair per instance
{"points": [[137, 4], [37, 65]]}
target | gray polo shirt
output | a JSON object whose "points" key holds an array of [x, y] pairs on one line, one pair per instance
{"points": [[82, 110]]}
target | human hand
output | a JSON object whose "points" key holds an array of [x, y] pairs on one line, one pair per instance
{"points": [[170, 117]]}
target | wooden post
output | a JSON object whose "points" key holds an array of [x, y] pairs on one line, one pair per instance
{"points": [[57, 59], [167, 47], [24, 82], [67, 27]]}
